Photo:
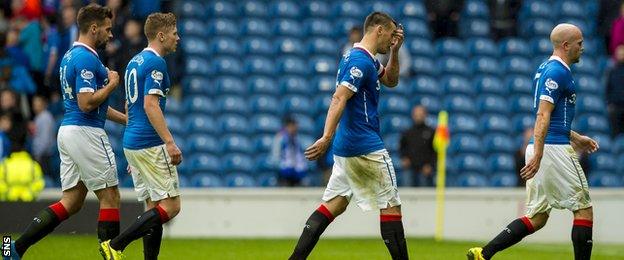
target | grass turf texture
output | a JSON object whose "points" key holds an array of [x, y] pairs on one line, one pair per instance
{"points": [[85, 247]]}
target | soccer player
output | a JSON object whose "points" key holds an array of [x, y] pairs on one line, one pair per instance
{"points": [[553, 173], [363, 171], [148, 145], [87, 159]]}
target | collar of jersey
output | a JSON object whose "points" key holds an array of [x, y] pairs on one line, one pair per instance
{"points": [[86, 46], [152, 50], [555, 57], [360, 46]]}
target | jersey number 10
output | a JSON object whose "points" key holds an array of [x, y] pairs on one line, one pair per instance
{"points": [[130, 78]]}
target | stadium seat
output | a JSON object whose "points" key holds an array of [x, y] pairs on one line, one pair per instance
{"points": [[192, 9], [450, 65], [421, 47], [198, 104], [536, 28], [255, 27], [294, 85], [586, 26], [602, 162], [324, 84], [232, 104], [620, 164], [203, 143], [290, 46], [173, 107], [476, 9], [230, 124], [453, 85], [263, 85], [268, 179], [392, 142], [521, 103], [291, 65], [205, 163], [395, 124], [324, 46], [192, 28], [426, 85], [305, 124], [465, 143], [541, 46], [589, 84], [284, 9], [197, 85], [394, 104], [514, 47], [451, 47], [321, 105], [381, 6], [517, 65], [222, 27], [508, 179], [593, 123], [469, 162], [316, 27], [315, 8], [259, 66], [197, 66], [424, 66], [265, 124], [593, 47], [236, 162], [323, 65], [351, 9], [536, 9], [587, 65], [474, 28], [496, 123], [485, 65], [485, 84], [471, 180], [432, 103], [230, 85], [604, 179], [311, 180], [417, 28], [264, 163], [482, 47], [498, 163], [221, 8], [604, 141], [343, 25], [522, 122], [254, 8], [288, 28], [618, 145], [175, 124], [519, 84], [236, 143], [195, 46], [493, 104], [460, 104], [461, 123], [206, 180], [412, 9], [263, 143], [296, 104], [264, 104], [499, 143], [226, 65], [590, 104]]}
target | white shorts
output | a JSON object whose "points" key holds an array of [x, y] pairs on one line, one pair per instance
{"points": [[559, 183], [368, 179], [87, 156], [153, 176]]}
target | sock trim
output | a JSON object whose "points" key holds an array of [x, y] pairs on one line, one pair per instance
{"points": [[389, 217], [583, 222], [59, 210], [323, 210], [163, 214], [111, 215], [528, 224]]}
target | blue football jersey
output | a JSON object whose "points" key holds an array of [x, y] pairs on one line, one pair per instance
{"points": [[146, 74], [358, 130], [553, 83], [82, 71]]}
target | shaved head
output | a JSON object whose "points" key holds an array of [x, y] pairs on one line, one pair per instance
{"points": [[567, 40]]}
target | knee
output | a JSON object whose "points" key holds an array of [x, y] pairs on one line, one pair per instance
{"points": [[72, 205], [110, 199], [172, 207], [538, 221], [587, 214]]}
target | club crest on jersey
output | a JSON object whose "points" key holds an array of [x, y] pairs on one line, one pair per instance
{"points": [[356, 73], [86, 74], [551, 84], [157, 75]]}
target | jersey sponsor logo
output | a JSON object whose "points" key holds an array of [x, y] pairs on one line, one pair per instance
{"points": [[157, 75], [138, 59], [551, 84], [355, 73], [86, 74]]}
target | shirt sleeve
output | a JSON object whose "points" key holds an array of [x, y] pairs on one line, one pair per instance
{"points": [[154, 80], [353, 78], [552, 86], [86, 69]]}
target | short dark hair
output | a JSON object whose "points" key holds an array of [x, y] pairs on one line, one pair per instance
{"points": [[158, 22], [90, 14], [378, 18]]}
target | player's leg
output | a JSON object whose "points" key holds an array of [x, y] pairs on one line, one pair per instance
{"points": [[108, 219], [49, 218], [582, 233], [392, 232], [514, 233], [151, 241]]}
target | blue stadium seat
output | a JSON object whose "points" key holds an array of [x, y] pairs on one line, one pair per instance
{"points": [[312, 180], [236, 162], [593, 123], [460, 104], [457, 85], [509, 179], [198, 104], [206, 180], [318, 28], [593, 47], [381, 6], [321, 104], [50, 183], [618, 146], [541, 46], [424, 66], [316, 8], [287, 27], [496, 123], [175, 124], [522, 122], [285, 8], [232, 104], [222, 27], [268, 179], [412, 9], [521, 103], [255, 27], [536, 9], [305, 124], [453, 66], [476, 9], [230, 123], [392, 142], [590, 104], [498, 163], [589, 84], [517, 65], [519, 84], [471, 180], [426, 85], [486, 84], [221, 8], [321, 45], [587, 65], [230, 85], [485, 65], [465, 143], [197, 85], [203, 143], [604, 141], [421, 47], [586, 26], [451, 46], [482, 47], [323, 65], [462, 123], [343, 25], [291, 65], [604, 179], [259, 66], [602, 162], [204, 163], [264, 143], [417, 28], [195, 46], [394, 104], [536, 28], [184, 181], [294, 85], [254, 8], [264, 104], [264, 163], [265, 124], [470, 162], [499, 143], [236, 143], [191, 9], [474, 28], [515, 47], [192, 27], [263, 85], [227, 66], [395, 124], [432, 103], [197, 66], [492, 104], [173, 107], [296, 104], [620, 164], [324, 84], [350, 9]]}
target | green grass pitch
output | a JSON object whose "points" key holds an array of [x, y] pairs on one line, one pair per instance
{"points": [[85, 247]]}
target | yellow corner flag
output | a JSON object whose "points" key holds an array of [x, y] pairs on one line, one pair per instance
{"points": [[441, 141]]}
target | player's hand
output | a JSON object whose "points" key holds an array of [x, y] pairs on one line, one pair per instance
{"points": [[585, 144], [174, 152], [113, 78], [397, 39], [531, 168], [317, 149]]}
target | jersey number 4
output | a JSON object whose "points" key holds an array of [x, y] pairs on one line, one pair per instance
{"points": [[67, 90], [132, 85]]}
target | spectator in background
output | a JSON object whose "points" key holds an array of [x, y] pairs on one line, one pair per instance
{"points": [[617, 33], [355, 35], [443, 17], [14, 65], [615, 93], [120, 18], [51, 45], [288, 154], [519, 155], [504, 19], [43, 133], [31, 44], [14, 50], [416, 149], [5, 143], [609, 11], [68, 32]]}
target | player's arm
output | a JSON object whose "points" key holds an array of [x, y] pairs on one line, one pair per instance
{"points": [[582, 143], [157, 120], [116, 116], [542, 122], [390, 77], [88, 98]]}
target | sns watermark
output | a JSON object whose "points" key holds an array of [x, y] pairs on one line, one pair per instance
{"points": [[6, 246]]}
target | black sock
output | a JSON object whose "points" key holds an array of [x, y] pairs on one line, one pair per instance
{"points": [[42, 225], [108, 224], [146, 222], [582, 239], [512, 234], [314, 227], [393, 236], [151, 243]]}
